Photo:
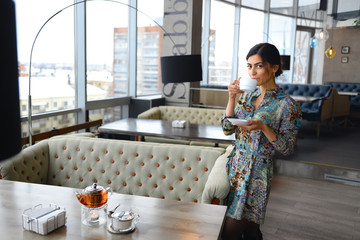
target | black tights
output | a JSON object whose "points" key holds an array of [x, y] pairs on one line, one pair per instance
{"points": [[240, 230]]}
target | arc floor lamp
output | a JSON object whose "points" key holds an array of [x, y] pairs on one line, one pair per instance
{"points": [[175, 69]]}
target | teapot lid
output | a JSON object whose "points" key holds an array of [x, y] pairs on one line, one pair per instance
{"points": [[94, 188]]}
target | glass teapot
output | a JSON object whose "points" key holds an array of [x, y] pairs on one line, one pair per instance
{"points": [[94, 196]]}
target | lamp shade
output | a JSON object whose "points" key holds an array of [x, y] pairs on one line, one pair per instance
{"points": [[314, 41], [285, 62], [9, 97], [181, 68], [330, 52]]}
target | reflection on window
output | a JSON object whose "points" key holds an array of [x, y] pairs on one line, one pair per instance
{"points": [[284, 7], [308, 9], [280, 35], [149, 45], [108, 115], [259, 4], [221, 43], [48, 124], [302, 55], [249, 35]]}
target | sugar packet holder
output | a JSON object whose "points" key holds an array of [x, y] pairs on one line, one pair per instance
{"points": [[44, 219], [178, 123]]}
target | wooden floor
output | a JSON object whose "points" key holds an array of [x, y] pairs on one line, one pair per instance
{"points": [[306, 209]]}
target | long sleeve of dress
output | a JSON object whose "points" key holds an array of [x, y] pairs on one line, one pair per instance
{"points": [[289, 127]]}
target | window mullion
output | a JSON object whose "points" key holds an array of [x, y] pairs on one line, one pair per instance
{"points": [[235, 62], [205, 39], [132, 47], [80, 60]]}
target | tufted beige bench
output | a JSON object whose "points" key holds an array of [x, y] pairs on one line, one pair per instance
{"points": [[177, 172], [190, 114], [205, 116]]}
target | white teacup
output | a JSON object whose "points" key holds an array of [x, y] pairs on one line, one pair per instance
{"points": [[247, 84]]}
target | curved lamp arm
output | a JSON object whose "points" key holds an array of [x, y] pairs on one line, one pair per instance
{"points": [[32, 47]]}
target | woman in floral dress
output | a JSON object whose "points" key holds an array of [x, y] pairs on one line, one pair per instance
{"points": [[274, 120]]}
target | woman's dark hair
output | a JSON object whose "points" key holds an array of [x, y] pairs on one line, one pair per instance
{"points": [[268, 53]]}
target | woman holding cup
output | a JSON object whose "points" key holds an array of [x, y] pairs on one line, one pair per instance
{"points": [[273, 119]]}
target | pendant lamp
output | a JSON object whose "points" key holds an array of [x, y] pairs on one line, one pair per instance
{"points": [[330, 52], [314, 41], [322, 34]]}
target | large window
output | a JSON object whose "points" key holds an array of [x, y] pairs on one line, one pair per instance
{"points": [[55, 57], [52, 72], [249, 36], [222, 36], [149, 45], [259, 4], [285, 7], [119, 49], [308, 9], [107, 49], [280, 33]]}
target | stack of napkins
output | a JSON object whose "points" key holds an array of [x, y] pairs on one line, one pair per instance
{"points": [[178, 123], [44, 220]]}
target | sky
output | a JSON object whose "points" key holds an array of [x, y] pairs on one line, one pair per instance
{"points": [[55, 41]]}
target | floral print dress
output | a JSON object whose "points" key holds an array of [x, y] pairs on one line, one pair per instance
{"points": [[250, 164]]}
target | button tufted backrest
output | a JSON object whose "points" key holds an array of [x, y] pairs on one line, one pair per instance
{"points": [[192, 115], [176, 172], [348, 87], [312, 90], [30, 165]]}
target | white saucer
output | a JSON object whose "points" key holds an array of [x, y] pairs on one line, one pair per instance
{"points": [[110, 229], [238, 121]]}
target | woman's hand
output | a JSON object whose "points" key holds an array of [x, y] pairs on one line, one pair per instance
{"points": [[234, 89], [258, 124]]}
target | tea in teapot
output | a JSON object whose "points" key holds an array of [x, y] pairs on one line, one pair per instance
{"points": [[94, 196]]}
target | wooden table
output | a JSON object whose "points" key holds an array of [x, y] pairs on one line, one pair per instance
{"points": [[159, 218], [305, 98], [348, 93], [160, 128]]}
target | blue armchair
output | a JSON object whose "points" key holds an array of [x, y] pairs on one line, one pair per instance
{"points": [[318, 110], [348, 87]]}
